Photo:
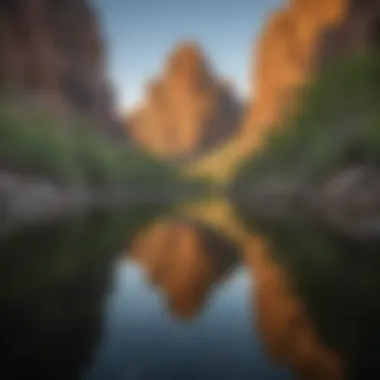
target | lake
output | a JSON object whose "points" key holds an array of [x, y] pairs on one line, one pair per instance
{"points": [[189, 292]]}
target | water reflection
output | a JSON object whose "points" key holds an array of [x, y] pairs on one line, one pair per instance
{"points": [[185, 259], [283, 319], [181, 269], [141, 294], [53, 282], [317, 298], [50, 310], [191, 294]]}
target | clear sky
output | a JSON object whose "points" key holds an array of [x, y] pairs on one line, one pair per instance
{"points": [[141, 33]]}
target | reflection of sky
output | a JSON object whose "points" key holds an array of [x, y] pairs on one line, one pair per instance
{"points": [[142, 340]]}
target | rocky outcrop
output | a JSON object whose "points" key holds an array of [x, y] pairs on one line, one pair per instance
{"points": [[187, 109], [295, 42], [359, 32], [54, 51], [286, 55], [285, 59]]}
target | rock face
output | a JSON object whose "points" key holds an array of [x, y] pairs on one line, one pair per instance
{"points": [[187, 110], [286, 55], [53, 49], [359, 32]]}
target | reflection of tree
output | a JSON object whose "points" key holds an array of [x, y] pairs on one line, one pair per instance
{"points": [[184, 258], [317, 299], [53, 281]]}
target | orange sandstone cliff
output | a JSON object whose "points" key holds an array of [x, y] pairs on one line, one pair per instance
{"points": [[53, 50], [286, 57], [187, 109], [359, 32]]}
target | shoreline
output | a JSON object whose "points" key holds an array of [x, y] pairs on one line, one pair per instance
{"points": [[348, 202], [26, 201]]}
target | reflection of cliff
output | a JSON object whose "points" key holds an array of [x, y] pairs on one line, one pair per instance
{"points": [[53, 281], [52, 334], [283, 321], [187, 110], [317, 300], [218, 214], [184, 259]]}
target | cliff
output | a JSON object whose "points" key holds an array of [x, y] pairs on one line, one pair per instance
{"points": [[359, 32], [286, 54], [296, 329], [54, 51], [187, 110]]}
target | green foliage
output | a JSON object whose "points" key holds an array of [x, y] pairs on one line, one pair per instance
{"points": [[29, 144], [34, 142], [338, 123]]}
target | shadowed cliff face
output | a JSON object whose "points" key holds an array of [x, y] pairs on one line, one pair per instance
{"points": [[53, 51], [187, 110], [359, 32], [184, 259]]}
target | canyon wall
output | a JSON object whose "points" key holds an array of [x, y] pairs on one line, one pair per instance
{"points": [[359, 32], [53, 51], [286, 56]]}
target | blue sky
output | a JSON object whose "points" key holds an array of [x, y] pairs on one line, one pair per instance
{"points": [[141, 33]]}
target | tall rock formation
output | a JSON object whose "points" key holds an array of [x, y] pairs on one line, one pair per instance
{"points": [[286, 56], [187, 109], [359, 32], [53, 50]]}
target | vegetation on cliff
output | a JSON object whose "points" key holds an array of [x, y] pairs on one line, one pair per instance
{"points": [[337, 126], [284, 58]]}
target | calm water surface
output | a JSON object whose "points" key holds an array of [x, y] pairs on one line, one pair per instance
{"points": [[137, 295], [151, 294], [142, 340]]}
